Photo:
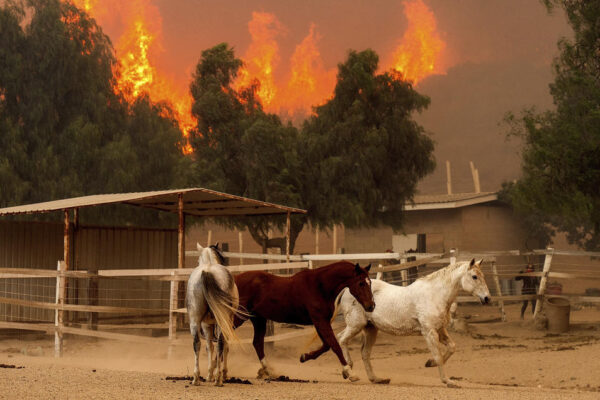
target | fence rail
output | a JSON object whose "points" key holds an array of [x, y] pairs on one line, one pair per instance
{"points": [[175, 275]]}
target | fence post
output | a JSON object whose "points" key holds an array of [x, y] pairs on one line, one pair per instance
{"points": [[241, 243], [498, 290], [453, 256], [404, 277], [172, 313], [542, 289], [310, 264], [59, 314], [379, 273]]}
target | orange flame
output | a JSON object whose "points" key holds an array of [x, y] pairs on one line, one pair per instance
{"points": [[261, 57], [310, 83], [418, 54], [137, 75]]}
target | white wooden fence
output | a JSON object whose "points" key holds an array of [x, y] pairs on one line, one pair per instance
{"points": [[174, 276]]}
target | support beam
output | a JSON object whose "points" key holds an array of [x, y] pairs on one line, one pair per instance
{"points": [[287, 238], [59, 314], [448, 178], [241, 246], [180, 292], [317, 239], [334, 250], [543, 281]]}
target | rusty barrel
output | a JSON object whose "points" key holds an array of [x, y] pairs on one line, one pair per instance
{"points": [[557, 310]]}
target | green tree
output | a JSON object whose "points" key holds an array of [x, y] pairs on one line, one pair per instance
{"points": [[239, 148], [561, 152], [355, 162], [363, 151], [64, 131]]}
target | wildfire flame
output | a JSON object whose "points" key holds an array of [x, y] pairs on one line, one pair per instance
{"points": [[418, 54], [308, 83], [136, 72], [261, 57]]}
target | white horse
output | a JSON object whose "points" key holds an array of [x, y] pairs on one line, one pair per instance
{"points": [[424, 306], [212, 300]]}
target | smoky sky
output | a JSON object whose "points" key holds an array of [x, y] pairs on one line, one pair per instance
{"points": [[498, 58]]}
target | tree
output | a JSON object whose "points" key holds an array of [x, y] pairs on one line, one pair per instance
{"points": [[239, 148], [357, 161], [64, 130], [561, 151], [366, 153]]}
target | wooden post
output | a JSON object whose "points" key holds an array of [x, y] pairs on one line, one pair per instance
{"points": [[475, 175], [310, 264], [498, 290], [180, 293], [241, 243], [59, 314], [317, 239], [287, 238], [448, 178], [404, 277], [453, 256], [379, 273], [172, 314], [75, 315], [334, 251], [66, 258], [542, 289], [209, 238]]}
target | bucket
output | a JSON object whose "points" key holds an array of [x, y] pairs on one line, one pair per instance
{"points": [[557, 311]]}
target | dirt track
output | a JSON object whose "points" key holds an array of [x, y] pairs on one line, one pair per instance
{"points": [[493, 360]]}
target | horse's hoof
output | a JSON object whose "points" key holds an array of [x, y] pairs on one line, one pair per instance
{"points": [[430, 363], [380, 381], [196, 382], [262, 374], [452, 384], [353, 378]]}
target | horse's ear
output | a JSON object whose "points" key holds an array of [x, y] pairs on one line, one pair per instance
{"points": [[368, 267], [472, 263], [357, 268], [200, 248], [217, 245], [479, 262]]}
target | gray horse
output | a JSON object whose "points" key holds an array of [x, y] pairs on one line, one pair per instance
{"points": [[212, 301]]}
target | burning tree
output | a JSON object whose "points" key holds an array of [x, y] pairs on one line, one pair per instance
{"points": [[357, 161], [64, 130]]}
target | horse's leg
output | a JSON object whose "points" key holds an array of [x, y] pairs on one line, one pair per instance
{"points": [[446, 341], [523, 308], [225, 354], [210, 351], [344, 338], [220, 347], [315, 353], [196, 342], [260, 329], [326, 334], [433, 342], [369, 341]]}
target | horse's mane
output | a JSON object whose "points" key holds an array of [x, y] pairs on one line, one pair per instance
{"points": [[218, 254], [443, 272]]}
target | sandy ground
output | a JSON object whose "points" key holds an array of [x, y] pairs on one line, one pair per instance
{"points": [[494, 360]]}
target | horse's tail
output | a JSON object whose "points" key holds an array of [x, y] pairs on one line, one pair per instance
{"points": [[221, 304], [336, 310]]}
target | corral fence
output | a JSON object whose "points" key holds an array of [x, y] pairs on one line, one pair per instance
{"points": [[148, 298]]}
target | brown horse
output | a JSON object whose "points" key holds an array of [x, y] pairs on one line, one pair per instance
{"points": [[306, 298]]}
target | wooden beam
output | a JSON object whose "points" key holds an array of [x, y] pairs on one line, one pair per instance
{"points": [[499, 291], [79, 307], [287, 237], [542, 288], [448, 178]]}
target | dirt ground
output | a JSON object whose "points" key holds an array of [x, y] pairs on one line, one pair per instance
{"points": [[494, 360]]}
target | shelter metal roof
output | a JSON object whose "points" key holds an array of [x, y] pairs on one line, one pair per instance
{"points": [[196, 201], [440, 201]]}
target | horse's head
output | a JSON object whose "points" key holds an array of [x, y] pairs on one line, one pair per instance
{"points": [[473, 282], [360, 287], [210, 255]]}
